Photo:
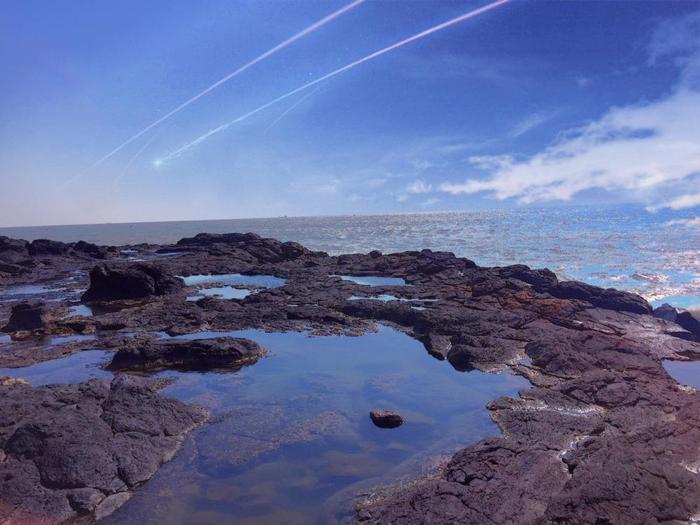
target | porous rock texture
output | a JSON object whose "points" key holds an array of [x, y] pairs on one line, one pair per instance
{"points": [[201, 354], [603, 435], [136, 281], [72, 450]]}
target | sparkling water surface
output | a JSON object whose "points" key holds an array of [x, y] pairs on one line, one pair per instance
{"points": [[626, 247]]}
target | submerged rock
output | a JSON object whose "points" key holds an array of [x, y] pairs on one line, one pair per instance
{"points": [[27, 316], [386, 418], [136, 281], [199, 354]]}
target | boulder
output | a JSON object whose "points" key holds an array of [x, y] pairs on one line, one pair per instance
{"points": [[690, 322], [386, 418], [181, 354], [205, 239], [666, 312], [136, 281], [41, 247], [27, 316], [12, 250], [92, 250]]}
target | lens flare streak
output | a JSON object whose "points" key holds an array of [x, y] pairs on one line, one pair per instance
{"points": [[372, 56], [310, 29]]}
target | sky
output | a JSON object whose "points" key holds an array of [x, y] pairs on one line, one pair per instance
{"points": [[530, 103]]}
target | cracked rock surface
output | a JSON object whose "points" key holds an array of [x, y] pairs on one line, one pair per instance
{"points": [[74, 450]]}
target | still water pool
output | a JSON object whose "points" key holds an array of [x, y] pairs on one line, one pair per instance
{"points": [[291, 440]]}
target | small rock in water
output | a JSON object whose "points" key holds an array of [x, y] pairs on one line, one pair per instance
{"points": [[386, 418]]}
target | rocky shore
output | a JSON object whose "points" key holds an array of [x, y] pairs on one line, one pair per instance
{"points": [[603, 435]]}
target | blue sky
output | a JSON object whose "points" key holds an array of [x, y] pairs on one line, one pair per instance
{"points": [[534, 102]]}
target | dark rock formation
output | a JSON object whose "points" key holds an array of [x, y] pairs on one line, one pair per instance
{"points": [[91, 250], [386, 418], [27, 316], [136, 281], [40, 247], [73, 450], [666, 312], [199, 354], [690, 322], [602, 298]]}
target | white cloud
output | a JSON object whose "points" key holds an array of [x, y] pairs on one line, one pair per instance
{"points": [[631, 148], [689, 200], [419, 186], [693, 223], [639, 148], [429, 202]]}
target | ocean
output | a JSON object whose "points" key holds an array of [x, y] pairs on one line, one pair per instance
{"points": [[654, 254]]}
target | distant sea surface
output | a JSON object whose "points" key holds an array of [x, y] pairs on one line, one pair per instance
{"points": [[654, 254]]}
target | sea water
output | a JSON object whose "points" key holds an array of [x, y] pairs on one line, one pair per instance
{"points": [[626, 247]]}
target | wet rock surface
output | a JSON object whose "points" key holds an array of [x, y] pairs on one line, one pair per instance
{"points": [[604, 435], [202, 354], [135, 281], [74, 450]]}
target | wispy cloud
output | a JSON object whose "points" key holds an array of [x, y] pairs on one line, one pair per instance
{"points": [[419, 186], [691, 223], [530, 122]]}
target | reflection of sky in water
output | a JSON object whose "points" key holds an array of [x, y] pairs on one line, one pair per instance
{"points": [[368, 280], [78, 310], [231, 281], [223, 292], [305, 481], [263, 281], [63, 339], [75, 368], [685, 372]]}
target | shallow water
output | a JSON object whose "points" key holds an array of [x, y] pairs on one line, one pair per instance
{"points": [[75, 368], [369, 280], [313, 394], [79, 310], [233, 279], [222, 292], [685, 372], [231, 282]]}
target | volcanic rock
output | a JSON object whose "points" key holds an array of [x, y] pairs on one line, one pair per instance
{"points": [[666, 312], [137, 281], [69, 448], [27, 316], [94, 251], [41, 247], [198, 354], [602, 298], [690, 322], [386, 418]]}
